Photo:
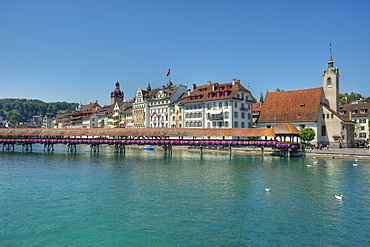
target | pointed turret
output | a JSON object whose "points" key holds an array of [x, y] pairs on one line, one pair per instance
{"points": [[330, 62]]}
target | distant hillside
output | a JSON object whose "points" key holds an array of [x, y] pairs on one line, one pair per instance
{"points": [[22, 110]]}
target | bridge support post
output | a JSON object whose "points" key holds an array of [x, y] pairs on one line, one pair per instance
{"points": [[71, 147], [262, 150], [119, 148], [49, 147], [167, 149], [26, 147], [94, 148], [230, 151], [201, 150], [8, 146]]}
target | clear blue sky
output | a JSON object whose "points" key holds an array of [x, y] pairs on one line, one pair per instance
{"points": [[74, 50]]}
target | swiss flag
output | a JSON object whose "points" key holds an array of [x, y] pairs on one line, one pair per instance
{"points": [[168, 72]]}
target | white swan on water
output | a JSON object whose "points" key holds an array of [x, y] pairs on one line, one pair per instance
{"points": [[339, 197], [267, 189], [354, 164]]}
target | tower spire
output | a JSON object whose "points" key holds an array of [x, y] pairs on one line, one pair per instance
{"points": [[330, 62], [149, 87]]}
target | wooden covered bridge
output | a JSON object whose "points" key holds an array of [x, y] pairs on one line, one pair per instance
{"points": [[165, 137]]}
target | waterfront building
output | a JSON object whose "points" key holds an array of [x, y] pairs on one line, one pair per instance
{"points": [[160, 102], [359, 112], [47, 121], [116, 115], [103, 114], [140, 108], [256, 109], [214, 105], [316, 108], [127, 120], [61, 121], [176, 110], [86, 117]]}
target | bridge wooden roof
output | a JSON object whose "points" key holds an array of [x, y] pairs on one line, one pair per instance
{"points": [[148, 132]]}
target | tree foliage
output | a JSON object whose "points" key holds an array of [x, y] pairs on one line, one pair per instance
{"points": [[22, 110], [307, 134], [348, 98]]}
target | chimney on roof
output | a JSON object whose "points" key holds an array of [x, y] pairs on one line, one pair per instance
{"points": [[193, 86], [234, 81], [188, 92], [209, 82], [214, 86]]}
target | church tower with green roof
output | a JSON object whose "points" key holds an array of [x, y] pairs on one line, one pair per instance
{"points": [[330, 84]]}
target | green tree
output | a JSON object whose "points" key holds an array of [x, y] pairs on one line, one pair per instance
{"points": [[28, 108], [261, 97], [354, 96], [307, 134], [14, 116]]}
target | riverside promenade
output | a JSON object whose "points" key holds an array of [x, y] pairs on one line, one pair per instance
{"points": [[340, 153], [334, 153]]}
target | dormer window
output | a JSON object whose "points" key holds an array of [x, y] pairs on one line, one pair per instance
{"points": [[354, 111], [363, 111]]}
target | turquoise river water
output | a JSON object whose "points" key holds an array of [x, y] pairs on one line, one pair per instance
{"points": [[146, 198]]}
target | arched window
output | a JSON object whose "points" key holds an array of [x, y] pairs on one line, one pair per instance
{"points": [[328, 82]]}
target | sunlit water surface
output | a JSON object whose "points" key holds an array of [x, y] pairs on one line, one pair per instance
{"points": [[145, 198]]}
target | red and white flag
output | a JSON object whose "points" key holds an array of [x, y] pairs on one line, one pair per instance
{"points": [[168, 72]]}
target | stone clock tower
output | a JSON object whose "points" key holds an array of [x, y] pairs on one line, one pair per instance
{"points": [[330, 84]]}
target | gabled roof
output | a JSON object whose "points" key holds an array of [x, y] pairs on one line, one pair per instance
{"points": [[91, 106], [291, 106], [344, 119], [285, 129], [106, 110], [168, 91], [215, 91], [256, 107]]}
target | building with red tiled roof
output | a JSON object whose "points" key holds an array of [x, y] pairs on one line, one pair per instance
{"points": [[316, 108], [359, 112], [256, 109], [214, 105]]}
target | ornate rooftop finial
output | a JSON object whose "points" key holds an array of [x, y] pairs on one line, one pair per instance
{"points": [[331, 62], [149, 87]]}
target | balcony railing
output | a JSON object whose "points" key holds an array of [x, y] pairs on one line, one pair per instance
{"points": [[216, 117]]}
